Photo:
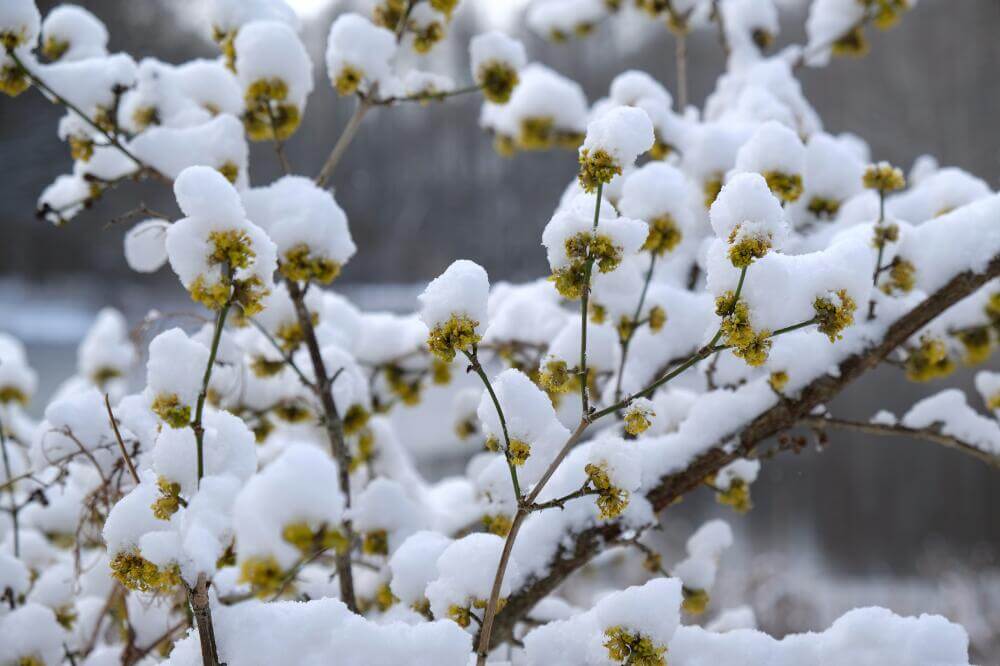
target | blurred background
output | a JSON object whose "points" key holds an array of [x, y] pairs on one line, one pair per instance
{"points": [[896, 523]]}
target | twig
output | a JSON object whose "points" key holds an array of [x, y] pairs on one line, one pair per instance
{"points": [[584, 304], [350, 130], [112, 140], [335, 433], [476, 367], [121, 442], [202, 612], [196, 424], [928, 434]]}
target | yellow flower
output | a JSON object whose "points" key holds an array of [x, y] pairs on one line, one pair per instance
{"points": [[611, 500], [695, 601], [597, 168], [883, 177], [169, 408], [626, 647], [929, 361], [832, 318], [785, 186], [498, 80], [263, 574], [137, 573], [456, 334], [664, 235], [169, 500]]}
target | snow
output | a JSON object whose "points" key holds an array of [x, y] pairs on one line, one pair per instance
{"points": [[213, 205], [966, 238], [300, 486], [16, 376], [772, 148], [20, 20], [271, 50], [542, 94], [651, 610], [107, 348], [145, 245], [355, 43], [862, 636], [949, 411], [218, 143], [461, 585], [231, 15], [493, 48], [31, 631], [83, 34], [323, 631], [624, 133], [89, 84], [745, 207], [414, 565], [295, 214], [462, 290]]}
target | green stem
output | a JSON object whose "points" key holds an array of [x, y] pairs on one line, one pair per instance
{"points": [[426, 97], [584, 305], [478, 369], [196, 424]]}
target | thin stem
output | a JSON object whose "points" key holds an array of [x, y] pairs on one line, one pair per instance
{"points": [[112, 140], [680, 45], [720, 24], [560, 502], [927, 434], [121, 442], [881, 251], [424, 96], [633, 325], [350, 130], [196, 424], [202, 612], [522, 513], [478, 369], [286, 357], [584, 304], [279, 144], [335, 433]]}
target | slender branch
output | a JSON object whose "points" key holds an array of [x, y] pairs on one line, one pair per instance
{"points": [[350, 130], [680, 46], [112, 139], [335, 433], [279, 144], [202, 612], [121, 442], [928, 434], [286, 357], [196, 424], [580, 548], [478, 369], [560, 502], [584, 303], [422, 96]]}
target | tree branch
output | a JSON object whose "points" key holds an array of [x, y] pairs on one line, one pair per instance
{"points": [[784, 415], [928, 434]]}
